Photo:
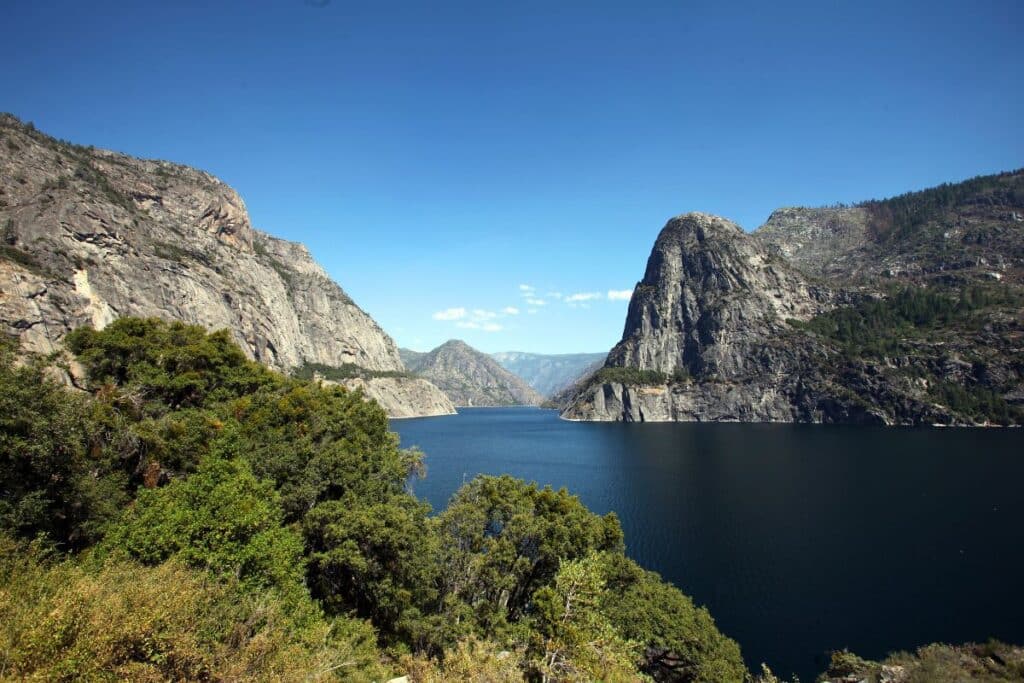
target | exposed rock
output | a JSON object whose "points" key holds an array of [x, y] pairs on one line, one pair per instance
{"points": [[405, 397], [470, 377], [91, 235], [712, 296], [992, 661], [720, 328]]}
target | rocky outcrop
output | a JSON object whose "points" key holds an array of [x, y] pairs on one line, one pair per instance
{"points": [[548, 373], [404, 397], [90, 235], [954, 233], [470, 377], [710, 299], [785, 324]]}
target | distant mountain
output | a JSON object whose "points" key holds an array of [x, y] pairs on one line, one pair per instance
{"points": [[410, 358], [470, 377], [548, 373], [903, 311]]}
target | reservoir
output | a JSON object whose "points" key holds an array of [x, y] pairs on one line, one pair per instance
{"points": [[800, 539]]}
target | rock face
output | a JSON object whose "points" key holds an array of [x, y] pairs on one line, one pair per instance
{"points": [[91, 235], [548, 373], [470, 377], [710, 299], [785, 325], [404, 397]]}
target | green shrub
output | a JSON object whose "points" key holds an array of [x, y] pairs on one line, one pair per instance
{"points": [[221, 519], [618, 375]]}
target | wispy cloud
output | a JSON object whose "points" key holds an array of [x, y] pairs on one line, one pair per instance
{"points": [[619, 294], [531, 311], [554, 295], [582, 296], [510, 310], [527, 289], [481, 314], [450, 314], [536, 302], [492, 327]]}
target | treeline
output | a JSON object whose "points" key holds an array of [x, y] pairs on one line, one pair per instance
{"points": [[339, 373], [881, 328], [901, 216], [876, 327], [636, 376], [195, 516]]}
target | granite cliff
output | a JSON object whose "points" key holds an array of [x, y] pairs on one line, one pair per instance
{"points": [[90, 235], [470, 377], [902, 311]]}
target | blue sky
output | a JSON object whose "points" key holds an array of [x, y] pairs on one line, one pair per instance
{"points": [[439, 157]]}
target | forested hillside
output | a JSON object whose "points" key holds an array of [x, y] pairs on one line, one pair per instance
{"points": [[193, 515]]}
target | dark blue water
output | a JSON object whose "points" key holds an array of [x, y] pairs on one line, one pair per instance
{"points": [[799, 539]]}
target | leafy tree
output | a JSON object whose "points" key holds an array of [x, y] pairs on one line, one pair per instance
{"points": [[320, 443], [377, 559], [58, 478], [681, 640], [170, 365], [503, 539], [222, 519], [578, 642]]}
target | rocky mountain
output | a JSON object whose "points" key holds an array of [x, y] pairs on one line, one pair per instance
{"points": [[902, 311], [548, 373], [470, 377], [561, 398], [90, 235]]}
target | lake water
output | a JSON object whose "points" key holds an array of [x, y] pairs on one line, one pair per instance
{"points": [[799, 539]]}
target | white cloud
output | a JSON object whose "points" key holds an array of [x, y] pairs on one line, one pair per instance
{"points": [[450, 314], [492, 327], [468, 325], [510, 310], [527, 289], [481, 314], [582, 296], [619, 294], [536, 302]]}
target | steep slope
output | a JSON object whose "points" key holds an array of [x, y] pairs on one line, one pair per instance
{"points": [[904, 311], [90, 235], [472, 378], [697, 341], [409, 357], [561, 398], [547, 373], [951, 234]]}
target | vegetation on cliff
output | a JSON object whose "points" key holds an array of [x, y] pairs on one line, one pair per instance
{"points": [[194, 515], [917, 330]]}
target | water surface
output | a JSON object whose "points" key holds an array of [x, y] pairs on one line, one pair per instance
{"points": [[799, 539]]}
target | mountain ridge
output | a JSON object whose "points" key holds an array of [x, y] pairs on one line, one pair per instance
{"points": [[90, 235], [900, 311], [470, 377]]}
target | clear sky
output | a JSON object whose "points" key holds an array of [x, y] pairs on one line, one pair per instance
{"points": [[438, 157]]}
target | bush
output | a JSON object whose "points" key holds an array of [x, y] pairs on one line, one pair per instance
{"points": [[221, 519], [123, 621], [171, 365]]}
